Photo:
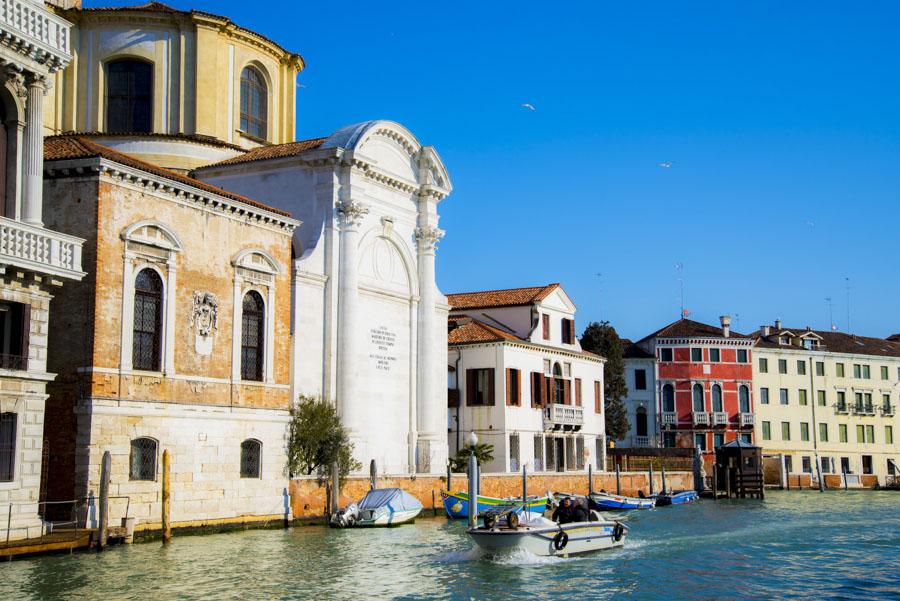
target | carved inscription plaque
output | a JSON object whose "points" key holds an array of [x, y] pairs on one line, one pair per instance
{"points": [[383, 354]]}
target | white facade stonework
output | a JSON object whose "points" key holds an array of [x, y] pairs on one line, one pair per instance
{"points": [[368, 319]]}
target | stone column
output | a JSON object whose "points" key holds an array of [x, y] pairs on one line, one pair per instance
{"points": [[33, 155], [350, 215], [427, 237]]}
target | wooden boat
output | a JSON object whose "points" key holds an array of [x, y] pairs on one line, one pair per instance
{"points": [[380, 507], [606, 501], [456, 504], [544, 537], [680, 497]]}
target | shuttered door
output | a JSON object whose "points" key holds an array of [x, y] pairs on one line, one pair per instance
{"points": [[577, 392], [598, 406], [536, 384], [471, 386], [7, 446]]}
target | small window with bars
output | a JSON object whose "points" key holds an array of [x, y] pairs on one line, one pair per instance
{"points": [[147, 332], [252, 337], [579, 452], [550, 462], [539, 453], [143, 459], [514, 453], [251, 455], [598, 456], [7, 447]]}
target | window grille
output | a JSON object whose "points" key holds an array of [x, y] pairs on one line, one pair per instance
{"points": [[513, 452], [143, 459], [598, 443], [570, 454], [539, 454], [252, 337], [129, 96], [254, 103], [7, 447], [551, 454], [251, 452], [147, 335], [579, 452]]}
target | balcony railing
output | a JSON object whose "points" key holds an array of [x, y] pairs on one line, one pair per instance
{"points": [[36, 31], [40, 250], [720, 418], [864, 409], [887, 410], [701, 418], [642, 441], [563, 417], [668, 418], [14, 362], [748, 419], [841, 408]]}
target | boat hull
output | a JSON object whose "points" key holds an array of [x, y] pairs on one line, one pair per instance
{"points": [[388, 518], [583, 537], [457, 504], [618, 502], [681, 498]]}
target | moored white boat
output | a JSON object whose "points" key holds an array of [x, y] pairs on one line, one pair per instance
{"points": [[544, 537], [380, 507], [602, 500]]}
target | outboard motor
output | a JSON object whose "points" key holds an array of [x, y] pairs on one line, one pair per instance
{"points": [[346, 517]]}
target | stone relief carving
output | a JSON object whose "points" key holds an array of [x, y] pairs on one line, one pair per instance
{"points": [[205, 321], [16, 79]]}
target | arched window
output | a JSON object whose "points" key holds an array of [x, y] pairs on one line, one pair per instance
{"points": [[744, 399], [641, 421], [254, 103], [147, 337], [698, 397], [143, 459], [251, 452], [717, 398], [129, 96], [559, 386], [252, 337], [668, 398]]}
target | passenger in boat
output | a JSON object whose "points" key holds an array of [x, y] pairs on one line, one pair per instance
{"points": [[568, 512]]}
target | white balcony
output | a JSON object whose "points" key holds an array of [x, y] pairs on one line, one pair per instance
{"points": [[35, 32], [720, 418], [701, 418], [748, 419], [39, 250], [668, 418], [563, 417], [642, 441]]}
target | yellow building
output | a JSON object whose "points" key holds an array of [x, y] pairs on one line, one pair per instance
{"points": [[176, 88], [829, 394]]}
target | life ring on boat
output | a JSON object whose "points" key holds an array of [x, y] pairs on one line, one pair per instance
{"points": [[560, 540], [618, 531]]}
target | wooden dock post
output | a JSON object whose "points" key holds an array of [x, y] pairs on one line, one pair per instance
{"points": [[664, 489], [590, 479], [166, 497], [103, 526], [618, 479], [651, 478], [715, 481], [335, 488]]}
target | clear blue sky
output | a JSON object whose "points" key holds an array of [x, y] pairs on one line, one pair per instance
{"points": [[782, 119]]}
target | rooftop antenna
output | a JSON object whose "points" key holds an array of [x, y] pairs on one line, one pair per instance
{"points": [[847, 280], [830, 313], [679, 267]]}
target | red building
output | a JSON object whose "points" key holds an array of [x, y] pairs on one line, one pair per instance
{"points": [[702, 384]]}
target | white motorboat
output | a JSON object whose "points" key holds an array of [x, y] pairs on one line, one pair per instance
{"points": [[540, 536], [380, 507]]}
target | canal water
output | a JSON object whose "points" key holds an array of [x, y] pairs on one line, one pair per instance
{"points": [[793, 545]]}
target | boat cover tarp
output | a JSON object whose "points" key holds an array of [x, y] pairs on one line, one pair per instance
{"points": [[397, 498]]}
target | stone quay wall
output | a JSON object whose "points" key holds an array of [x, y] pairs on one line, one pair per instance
{"points": [[308, 497]]}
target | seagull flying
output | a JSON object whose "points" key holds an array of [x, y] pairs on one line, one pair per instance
{"points": [[528, 106], [666, 164]]}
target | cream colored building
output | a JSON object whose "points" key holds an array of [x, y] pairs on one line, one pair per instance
{"points": [[831, 394]]}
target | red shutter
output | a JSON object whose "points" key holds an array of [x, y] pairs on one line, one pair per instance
{"points": [[26, 335], [571, 331], [490, 395], [536, 384], [598, 407], [470, 386], [578, 392], [509, 399], [546, 320], [548, 391], [567, 392], [518, 398]]}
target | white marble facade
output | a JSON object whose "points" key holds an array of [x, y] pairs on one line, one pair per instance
{"points": [[369, 323]]}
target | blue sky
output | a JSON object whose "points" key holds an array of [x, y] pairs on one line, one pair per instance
{"points": [[782, 121]]}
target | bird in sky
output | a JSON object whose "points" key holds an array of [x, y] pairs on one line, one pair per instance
{"points": [[666, 164], [301, 85], [528, 106]]}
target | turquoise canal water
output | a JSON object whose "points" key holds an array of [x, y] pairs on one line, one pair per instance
{"points": [[793, 545]]}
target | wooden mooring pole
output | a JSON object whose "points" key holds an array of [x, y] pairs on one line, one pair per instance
{"points": [[103, 530], [166, 498], [618, 480]]}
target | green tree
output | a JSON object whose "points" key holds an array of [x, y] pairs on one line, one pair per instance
{"points": [[602, 339], [317, 438], [483, 453]]}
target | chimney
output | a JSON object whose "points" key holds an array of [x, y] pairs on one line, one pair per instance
{"points": [[725, 320], [765, 330], [778, 324]]}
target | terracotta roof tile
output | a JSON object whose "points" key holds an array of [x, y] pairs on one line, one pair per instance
{"points": [[198, 138], [275, 151], [512, 297], [61, 148], [835, 342], [688, 328], [467, 331], [632, 351]]}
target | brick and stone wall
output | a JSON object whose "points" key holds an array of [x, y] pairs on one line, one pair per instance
{"points": [[308, 497]]}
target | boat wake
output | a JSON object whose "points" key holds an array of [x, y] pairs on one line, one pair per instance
{"points": [[473, 554], [523, 557]]}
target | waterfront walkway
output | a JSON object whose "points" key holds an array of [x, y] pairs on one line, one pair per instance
{"points": [[60, 540]]}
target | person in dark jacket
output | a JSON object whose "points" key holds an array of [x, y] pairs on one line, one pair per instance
{"points": [[568, 512]]}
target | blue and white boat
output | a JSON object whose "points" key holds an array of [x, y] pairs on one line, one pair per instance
{"points": [[456, 504], [606, 501], [380, 507], [680, 497]]}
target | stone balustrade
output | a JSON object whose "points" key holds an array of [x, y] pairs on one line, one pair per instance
{"points": [[40, 250], [563, 417], [33, 30]]}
